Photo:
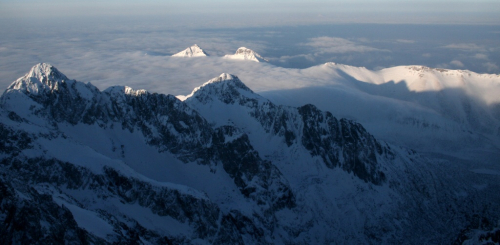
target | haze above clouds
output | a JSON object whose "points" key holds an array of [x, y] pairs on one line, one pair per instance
{"points": [[422, 8], [126, 43]]}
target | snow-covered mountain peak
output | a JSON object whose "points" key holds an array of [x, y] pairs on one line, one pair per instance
{"points": [[221, 82], [226, 87], [193, 51], [42, 70], [41, 77], [246, 54], [244, 50], [224, 77]]}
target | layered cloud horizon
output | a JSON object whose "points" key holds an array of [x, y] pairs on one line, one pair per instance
{"points": [[125, 47]]}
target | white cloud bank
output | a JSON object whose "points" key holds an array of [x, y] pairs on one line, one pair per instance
{"points": [[338, 45], [490, 66], [134, 53], [457, 63], [481, 56], [466, 47]]}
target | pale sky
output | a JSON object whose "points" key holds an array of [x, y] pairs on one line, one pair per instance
{"points": [[409, 11]]}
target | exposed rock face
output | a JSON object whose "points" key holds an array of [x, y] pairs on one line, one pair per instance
{"points": [[164, 121], [39, 172], [340, 143], [38, 220]]}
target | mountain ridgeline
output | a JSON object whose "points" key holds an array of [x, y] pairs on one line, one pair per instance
{"points": [[223, 166]]}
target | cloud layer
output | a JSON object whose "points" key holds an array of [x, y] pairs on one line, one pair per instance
{"points": [[136, 52], [338, 45]]}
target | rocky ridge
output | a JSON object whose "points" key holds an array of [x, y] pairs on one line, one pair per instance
{"points": [[250, 171]]}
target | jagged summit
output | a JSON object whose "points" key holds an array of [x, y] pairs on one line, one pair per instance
{"points": [[193, 51], [41, 77], [246, 54], [45, 78], [45, 70]]}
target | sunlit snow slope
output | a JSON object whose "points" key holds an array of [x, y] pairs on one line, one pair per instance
{"points": [[420, 107]]}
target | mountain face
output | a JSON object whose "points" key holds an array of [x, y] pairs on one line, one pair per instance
{"points": [[224, 166], [193, 51], [245, 54], [340, 143]]}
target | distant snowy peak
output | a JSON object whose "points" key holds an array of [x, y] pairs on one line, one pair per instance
{"points": [[246, 54], [226, 88], [193, 51]]}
